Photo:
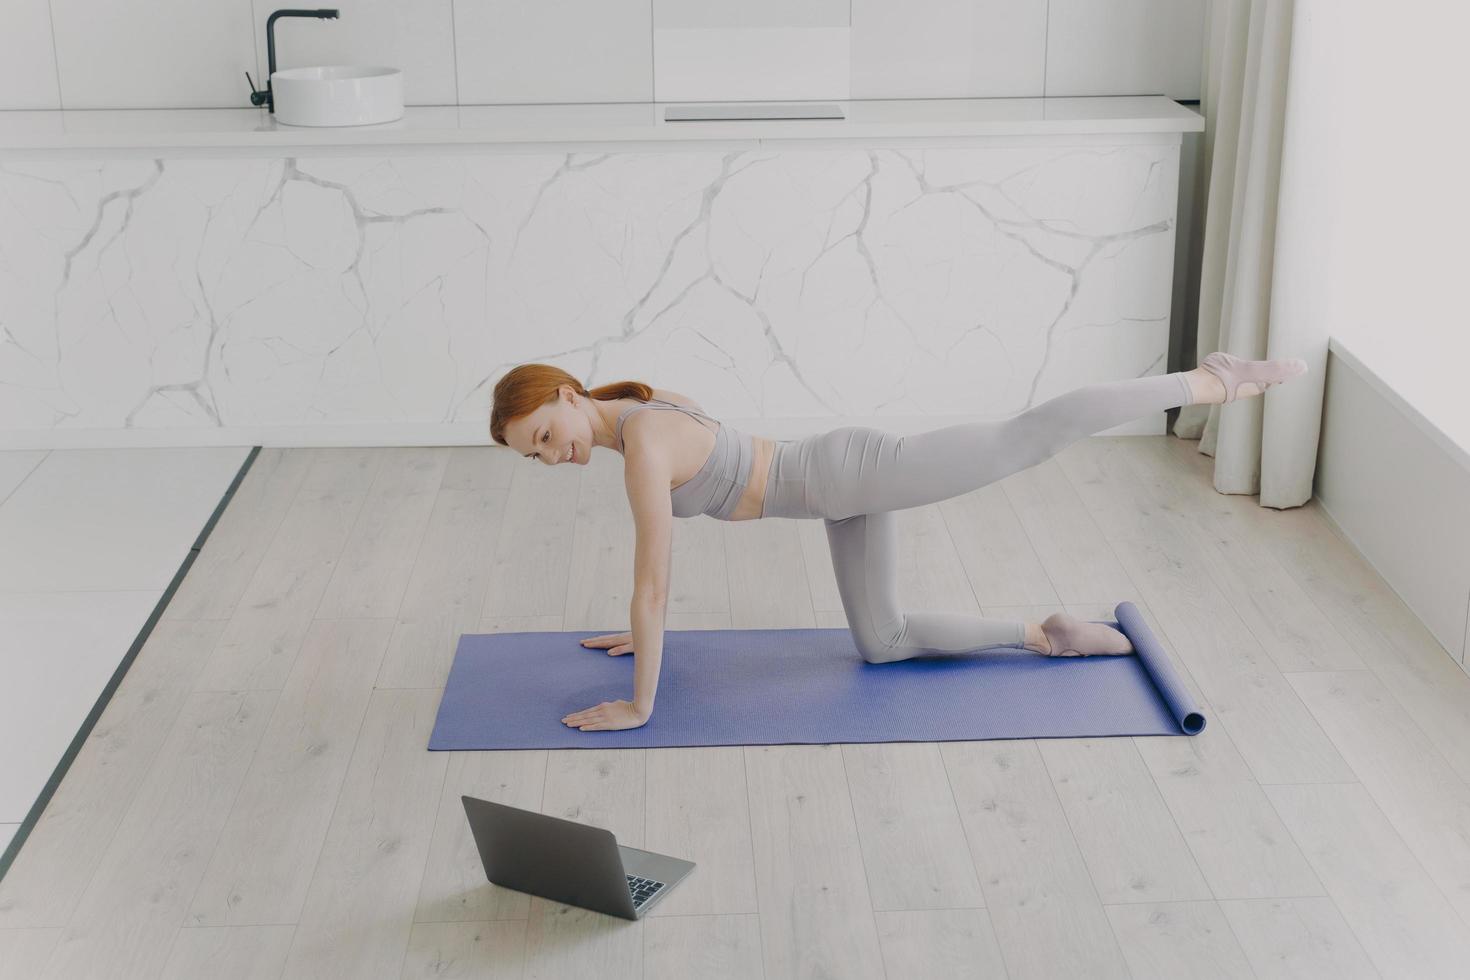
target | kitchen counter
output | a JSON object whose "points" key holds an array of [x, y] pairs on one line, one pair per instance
{"points": [[28, 132]]}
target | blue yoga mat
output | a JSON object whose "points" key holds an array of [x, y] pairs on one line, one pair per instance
{"points": [[772, 687]]}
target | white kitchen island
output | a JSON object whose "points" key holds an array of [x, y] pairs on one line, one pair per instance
{"points": [[209, 277]]}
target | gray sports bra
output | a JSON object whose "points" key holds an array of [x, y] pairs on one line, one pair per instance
{"points": [[715, 490]]}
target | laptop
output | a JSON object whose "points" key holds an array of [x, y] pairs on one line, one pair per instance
{"points": [[568, 861]]}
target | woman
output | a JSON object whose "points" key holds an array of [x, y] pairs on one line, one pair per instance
{"points": [[678, 462]]}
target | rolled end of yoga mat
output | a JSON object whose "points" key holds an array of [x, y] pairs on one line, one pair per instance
{"points": [[1156, 663]]}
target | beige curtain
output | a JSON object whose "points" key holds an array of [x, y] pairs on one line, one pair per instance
{"points": [[1268, 444]]}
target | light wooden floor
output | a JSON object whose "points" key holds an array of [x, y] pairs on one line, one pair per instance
{"points": [[257, 800]]}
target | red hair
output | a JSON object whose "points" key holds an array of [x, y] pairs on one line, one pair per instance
{"points": [[527, 387]]}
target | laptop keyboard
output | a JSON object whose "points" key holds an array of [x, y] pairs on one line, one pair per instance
{"points": [[642, 889]]}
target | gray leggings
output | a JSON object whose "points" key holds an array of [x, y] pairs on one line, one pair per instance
{"points": [[853, 478]]}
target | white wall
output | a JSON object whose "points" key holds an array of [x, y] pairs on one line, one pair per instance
{"points": [[1373, 252], [1372, 242], [102, 54]]}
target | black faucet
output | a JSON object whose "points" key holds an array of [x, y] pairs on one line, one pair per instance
{"points": [[266, 95]]}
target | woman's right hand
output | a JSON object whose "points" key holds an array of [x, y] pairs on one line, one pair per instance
{"points": [[620, 643]]}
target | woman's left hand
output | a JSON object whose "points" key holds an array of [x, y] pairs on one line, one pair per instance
{"points": [[607, 716]]}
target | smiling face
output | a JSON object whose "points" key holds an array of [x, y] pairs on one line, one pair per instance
{"points": [[557, 432]]}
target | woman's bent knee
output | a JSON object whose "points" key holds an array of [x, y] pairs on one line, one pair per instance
{"points": [[880, 655], [876, 650]]}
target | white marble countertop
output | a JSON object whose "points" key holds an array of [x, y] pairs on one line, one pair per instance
{"points": [[613, 122]]}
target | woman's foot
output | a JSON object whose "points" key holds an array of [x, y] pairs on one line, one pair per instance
{"points": [[1064, 635], [1223, 377]]}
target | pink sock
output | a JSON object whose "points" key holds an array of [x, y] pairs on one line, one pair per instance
{"points": [[1236, 371], [1073, 637]]}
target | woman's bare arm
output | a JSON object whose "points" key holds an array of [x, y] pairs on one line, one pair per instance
{"points": [[647, 475], [647, 617]]}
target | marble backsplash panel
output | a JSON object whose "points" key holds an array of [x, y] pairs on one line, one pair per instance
{"points": [[241, 293]]}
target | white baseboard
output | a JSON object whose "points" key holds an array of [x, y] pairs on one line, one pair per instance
{"points": [[1398, 489]]}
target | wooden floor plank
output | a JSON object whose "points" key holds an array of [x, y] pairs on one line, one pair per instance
{"points": [[940, 944], [483, 950], [229, 953], [445, 594], [1239, 842], [125, 923], [1042, 902], [273, 615], [1404, 922], [1234, 535], [1297, 939], [816, 915], [720, 947], [1132, 847], [909, 827], [1422, 796], [531, 567], [359, 909], [261, 866], [1179, 941], [1078, 559], [24, 952], [373, 570], [238, 540]]}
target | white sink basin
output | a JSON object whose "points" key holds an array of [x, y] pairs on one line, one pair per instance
{"points": [[337, 95]]}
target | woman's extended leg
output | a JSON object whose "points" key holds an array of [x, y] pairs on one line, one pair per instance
{"points": [[866, 470]]}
